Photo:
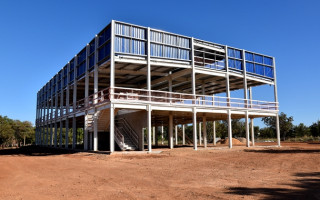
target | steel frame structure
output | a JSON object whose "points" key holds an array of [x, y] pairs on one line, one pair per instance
{"points": [[174, 79]]}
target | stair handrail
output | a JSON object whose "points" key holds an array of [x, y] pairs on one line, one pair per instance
{"points": [[132, 134], [188, 140], [118, 137]]}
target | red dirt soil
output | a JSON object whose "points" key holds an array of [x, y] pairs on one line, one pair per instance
{"points": [[289, 172]]}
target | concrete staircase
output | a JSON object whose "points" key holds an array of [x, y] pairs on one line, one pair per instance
{"points": [[103, 120], [125, 136]]}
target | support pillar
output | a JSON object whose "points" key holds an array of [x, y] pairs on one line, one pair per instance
{"points": [[176, 134], [85, 132], [204, 123], [149, 129], [278, 130], [200, 138], [170, 140], [194, 120], [153, 135], [95, 131], [229, 129], [183, 135], [214, 133], [252, 131], [112, 128], [162, 135], [247, 129]]}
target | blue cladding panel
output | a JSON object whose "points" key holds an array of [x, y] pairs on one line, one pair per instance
{"points": [[249, 56], [268, 61], [71, 76], [237, 54], [138, 47], [65, 80], [81, 69], [250, 67], [231, 63], [221, 64], [259, 69], [104, 52], [258, 59], [104, 36], [81, 56], [230, 53], [156, 50], [92, 47], [91, 61], [269, 72], [184, 54], [238, 64]]}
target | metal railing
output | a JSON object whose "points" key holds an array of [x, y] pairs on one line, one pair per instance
{"points": [[129, 131], [120, 94], [172, 98]]}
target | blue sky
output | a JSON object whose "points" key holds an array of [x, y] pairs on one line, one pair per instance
{"points": [[39, 37]]}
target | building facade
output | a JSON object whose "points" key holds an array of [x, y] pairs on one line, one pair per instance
{"points": [[130, 78]]}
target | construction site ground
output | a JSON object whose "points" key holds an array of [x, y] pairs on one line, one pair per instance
{"points": [[263, 172]]}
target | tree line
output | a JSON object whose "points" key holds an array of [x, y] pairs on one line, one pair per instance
{"points": [[15, 132]]}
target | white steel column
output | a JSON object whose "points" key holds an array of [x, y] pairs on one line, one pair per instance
{"points": [[74, 100], [112, 85], [277, 101], [149, 128], [204, 123], [200, 138], [229, 129], [252, 131], [227, 77], [170, 139], [56, 114], [245, 78], [214, 133], [86, 102], [183, 135], [194, 120], [153, 135], [112, 127], [247, 129], [162, 135], [176, 134], [95, 101]]}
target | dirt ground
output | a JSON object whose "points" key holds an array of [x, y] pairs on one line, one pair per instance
{"points": [[289, 172]]}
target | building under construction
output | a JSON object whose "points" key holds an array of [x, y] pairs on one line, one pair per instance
{"points": [[130, 78]]}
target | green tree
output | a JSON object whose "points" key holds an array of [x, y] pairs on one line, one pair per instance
{"points": [[284, 122], [301, 130], [6, 131], [315, 129]]}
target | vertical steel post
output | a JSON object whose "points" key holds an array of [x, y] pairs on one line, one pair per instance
{"points": [[112, 85], [229, 129], [204, 123], [194, 121], [170, 140]]}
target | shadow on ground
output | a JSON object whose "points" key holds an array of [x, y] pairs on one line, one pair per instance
{"points": [[279, 151], [35, 151], [306, 186]]}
